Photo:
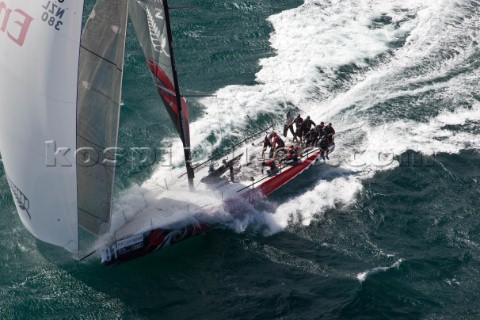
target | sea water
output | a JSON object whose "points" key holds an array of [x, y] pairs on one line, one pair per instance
{"points": [[388, 228]]}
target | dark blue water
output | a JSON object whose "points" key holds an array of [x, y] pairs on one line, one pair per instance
{"points": [[388, 230]]}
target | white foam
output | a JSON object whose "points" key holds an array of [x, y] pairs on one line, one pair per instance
{"points": [[364, 275], [312, 42], [326, 195]]}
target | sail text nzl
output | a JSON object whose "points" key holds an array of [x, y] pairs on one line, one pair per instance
{"points": [[15, 23], [53, 15]]}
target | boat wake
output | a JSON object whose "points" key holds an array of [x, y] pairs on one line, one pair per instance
{"points": [[391, 76]]}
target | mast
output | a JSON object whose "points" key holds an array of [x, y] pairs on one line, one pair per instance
{"points": [[178, 97]]}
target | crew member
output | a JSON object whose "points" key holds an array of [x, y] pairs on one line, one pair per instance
{"points": [[311, 137], [292, 155], [306, 126], [329, 132], [288, 124], [277, 143], [266, 142], [324, 147]]}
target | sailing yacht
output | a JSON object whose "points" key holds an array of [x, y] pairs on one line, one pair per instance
{"points": [[61, 93]]}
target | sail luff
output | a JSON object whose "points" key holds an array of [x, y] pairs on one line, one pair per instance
{"points": [[99, 98], [182, 123]]}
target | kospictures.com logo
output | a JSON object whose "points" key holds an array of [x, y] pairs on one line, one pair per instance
{"points": [[148, 156], [111, 156]]}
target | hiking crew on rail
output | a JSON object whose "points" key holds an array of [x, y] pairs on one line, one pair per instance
{"points": [[306, 132]]}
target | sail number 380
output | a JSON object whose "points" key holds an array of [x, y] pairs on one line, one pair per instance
{"points": [[53, 15]]}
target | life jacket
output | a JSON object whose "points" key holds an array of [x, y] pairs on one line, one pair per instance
{"points": [[279, 142]]}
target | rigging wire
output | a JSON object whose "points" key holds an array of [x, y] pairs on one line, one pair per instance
{"points": [[88, 255], [241, 107], [278, 84]]}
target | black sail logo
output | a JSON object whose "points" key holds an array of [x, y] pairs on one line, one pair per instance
{"points": [[22, 201]]}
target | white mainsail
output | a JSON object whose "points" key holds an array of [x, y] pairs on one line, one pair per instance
{"points": [[39, 51]]}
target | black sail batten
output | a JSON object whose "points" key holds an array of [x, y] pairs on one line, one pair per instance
{"points": [[186, 148]]}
